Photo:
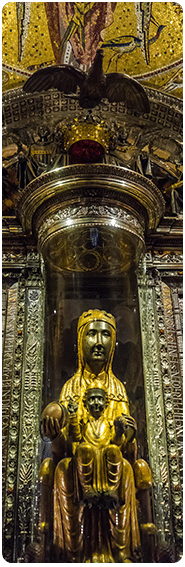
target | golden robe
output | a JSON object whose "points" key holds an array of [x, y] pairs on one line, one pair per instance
{"points": [[70, 515]]}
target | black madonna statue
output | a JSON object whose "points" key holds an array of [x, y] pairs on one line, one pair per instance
{"points": [[90, 485]]}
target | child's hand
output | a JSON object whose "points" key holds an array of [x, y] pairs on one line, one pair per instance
{"points": [[120, 425], [127, 425], [72, 406]]}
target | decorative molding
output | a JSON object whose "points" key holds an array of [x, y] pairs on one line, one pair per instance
{"points": [[167, 259], [80, 238], [163, 379], [19, 257], [177, 302], [169, 360], [97, 180], [155, 414], [78, 170], [24, 414], [161, 97], [175, 355], [10, 297], [29, 439], [12, 459], [22, 109], [117, 215]]}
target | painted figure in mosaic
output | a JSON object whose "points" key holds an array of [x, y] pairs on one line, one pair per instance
{"points": [[94, 464], [76, 29]]}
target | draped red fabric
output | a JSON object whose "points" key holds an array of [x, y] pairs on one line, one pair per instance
{"points": [[82, 23], [52, 12]]}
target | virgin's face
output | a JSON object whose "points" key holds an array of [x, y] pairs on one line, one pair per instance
{"points": [[96, 343]]}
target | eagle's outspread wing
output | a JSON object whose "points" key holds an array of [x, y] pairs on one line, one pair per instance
{"points": [[120, 87], [94, 85], [62, 77]]}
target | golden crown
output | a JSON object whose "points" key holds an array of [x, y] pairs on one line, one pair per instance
{"points": [[86, 129], [94, 315]]}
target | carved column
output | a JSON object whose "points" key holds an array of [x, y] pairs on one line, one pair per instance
{"points": [[91, 219], [22, 391], [163, 397]]}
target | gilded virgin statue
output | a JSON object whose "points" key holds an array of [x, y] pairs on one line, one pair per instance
{"points": [[90, 484]]}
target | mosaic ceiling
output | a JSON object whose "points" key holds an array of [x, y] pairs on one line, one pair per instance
{"points": [[143, 39]]}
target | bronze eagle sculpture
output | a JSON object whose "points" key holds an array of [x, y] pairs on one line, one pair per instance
{"points": [[94, 85]]}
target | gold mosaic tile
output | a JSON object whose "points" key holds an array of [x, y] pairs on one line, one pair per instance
{"points": [[149, 35]]}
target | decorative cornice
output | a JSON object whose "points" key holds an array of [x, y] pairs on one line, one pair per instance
{"points": [[20, 108], [104, 203], [94, 178], [91, 238], [68, 217], [165, 260], [153, 94], [172, 101]]}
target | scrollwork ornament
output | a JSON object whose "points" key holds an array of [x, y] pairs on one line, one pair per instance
{"points": [[31, 407], [171, 260], [158, 387], [113, 213], [11, 475], [172, 350], [9, 313], [155, 409], [25, 402], [20, 259]]}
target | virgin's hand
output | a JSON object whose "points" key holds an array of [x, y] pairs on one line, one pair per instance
{"points": [[51, 427], [52, 420]]}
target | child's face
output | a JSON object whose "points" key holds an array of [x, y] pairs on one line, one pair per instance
{"points": [[96, 402]]}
